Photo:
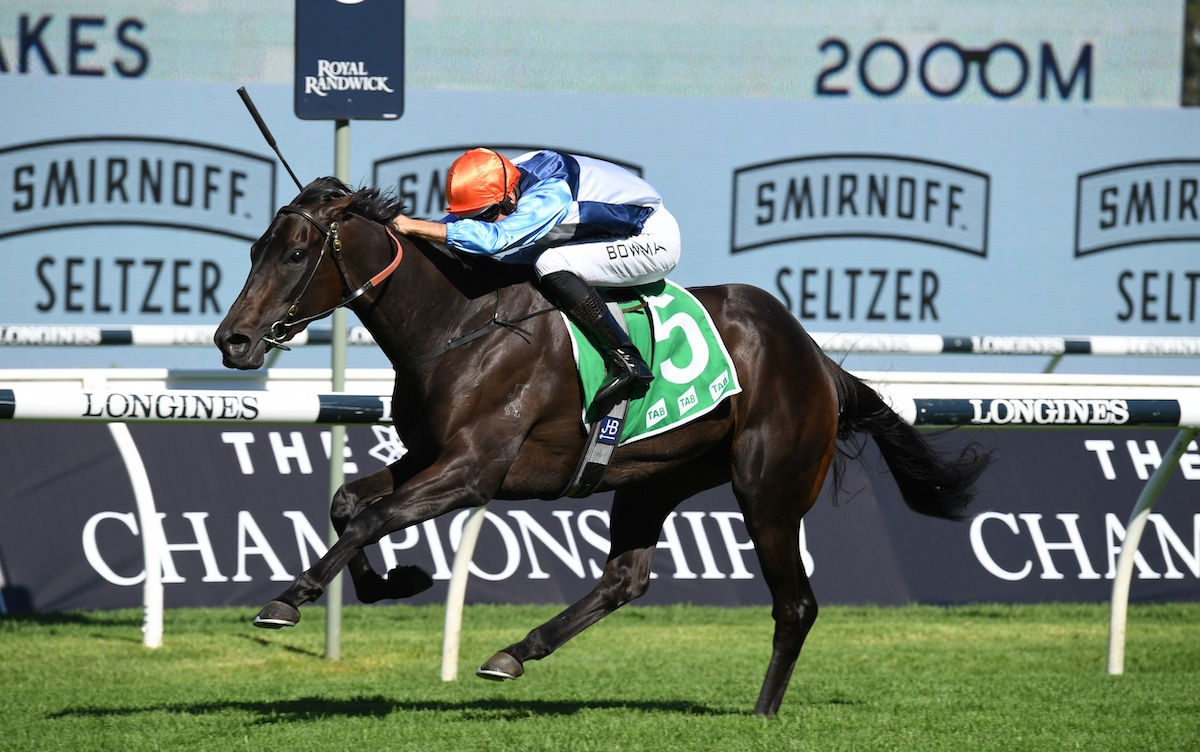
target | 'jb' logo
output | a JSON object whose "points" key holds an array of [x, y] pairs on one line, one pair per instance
{"points": [[610, 429]]}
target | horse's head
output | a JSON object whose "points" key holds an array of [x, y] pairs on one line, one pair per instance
{"points": [[290, 282]]}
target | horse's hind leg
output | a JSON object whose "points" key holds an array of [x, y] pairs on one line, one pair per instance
{"points": [[635, 522], [773, 520], [794, 607]]}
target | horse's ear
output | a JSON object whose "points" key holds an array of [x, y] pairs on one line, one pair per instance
{"points": [[323, 190], [340, 206]]}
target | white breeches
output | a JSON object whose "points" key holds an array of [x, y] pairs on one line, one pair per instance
{"points": [[642, 259]]}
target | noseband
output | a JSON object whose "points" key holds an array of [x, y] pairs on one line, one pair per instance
{"points": [[280, 328]]}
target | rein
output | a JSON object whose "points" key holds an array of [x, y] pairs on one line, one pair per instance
{"points": [[491, 326], [280, 328], [496, 324]]}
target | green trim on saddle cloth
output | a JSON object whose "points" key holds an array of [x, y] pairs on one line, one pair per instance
{"points": [[693, 372]]}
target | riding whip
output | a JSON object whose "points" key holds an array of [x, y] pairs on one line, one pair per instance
{"points": [[267, 133]]}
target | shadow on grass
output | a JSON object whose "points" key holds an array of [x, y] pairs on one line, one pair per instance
{"points": [[264, 642], [319, 708], [74, 618]]}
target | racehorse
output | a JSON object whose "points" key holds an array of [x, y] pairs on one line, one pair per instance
{"points": [[488, 403]]}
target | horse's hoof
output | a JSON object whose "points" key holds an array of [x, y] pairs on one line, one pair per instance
{"points": [[407, 581], [401, 582], [277, 614], [499, 667]]}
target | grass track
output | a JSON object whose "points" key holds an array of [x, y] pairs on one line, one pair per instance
{"points": [[647, 678]]}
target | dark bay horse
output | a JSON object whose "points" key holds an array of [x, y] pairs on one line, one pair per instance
{"points": [[499, 417]]}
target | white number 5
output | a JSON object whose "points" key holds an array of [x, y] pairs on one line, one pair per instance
{"points": [[672, 372]]}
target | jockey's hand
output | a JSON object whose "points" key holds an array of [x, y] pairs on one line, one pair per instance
{"points": [[405, 225]]}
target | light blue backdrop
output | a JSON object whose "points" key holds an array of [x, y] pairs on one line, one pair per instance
{"points": [[986, 227]]}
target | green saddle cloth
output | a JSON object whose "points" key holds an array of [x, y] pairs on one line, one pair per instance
{"points": [[693, 372]]}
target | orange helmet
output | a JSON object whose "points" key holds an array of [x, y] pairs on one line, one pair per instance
{"points": [[479, 179]]}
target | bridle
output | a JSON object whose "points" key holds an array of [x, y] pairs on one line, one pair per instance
{"points": [[333, 240]]}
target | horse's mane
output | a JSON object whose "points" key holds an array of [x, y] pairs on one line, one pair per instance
{"points": [[369, 203], [473, 276]]}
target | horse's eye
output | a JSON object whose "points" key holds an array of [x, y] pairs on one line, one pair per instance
{"points": [[297, 255]]}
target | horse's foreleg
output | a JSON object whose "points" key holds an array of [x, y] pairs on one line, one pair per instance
{"points": [[434, 491], [366, 527], [635, 523], [403, 581]]}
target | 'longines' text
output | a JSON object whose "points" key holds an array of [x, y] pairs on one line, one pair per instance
{"points": [[129, 406]]}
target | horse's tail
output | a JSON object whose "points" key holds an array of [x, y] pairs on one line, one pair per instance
{"points": [[930, 483]]}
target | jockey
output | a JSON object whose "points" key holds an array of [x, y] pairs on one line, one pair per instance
{"points": [[580, 222]]}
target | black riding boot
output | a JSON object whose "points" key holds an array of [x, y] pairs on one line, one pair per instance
{"points": [[628, 374]]}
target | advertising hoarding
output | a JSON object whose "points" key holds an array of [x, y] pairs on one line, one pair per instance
{"points": [[937, 168]]}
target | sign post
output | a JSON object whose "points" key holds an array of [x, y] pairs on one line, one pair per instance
{"points": [[349, 65]]}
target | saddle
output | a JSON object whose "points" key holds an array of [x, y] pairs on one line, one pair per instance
{"points": [[693, 373]]}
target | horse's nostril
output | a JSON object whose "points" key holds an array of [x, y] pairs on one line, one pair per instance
{"points": [[236, 343]]}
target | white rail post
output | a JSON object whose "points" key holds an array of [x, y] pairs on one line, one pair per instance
{"points": [[152, 536], [457, 594], [1133, 536]]}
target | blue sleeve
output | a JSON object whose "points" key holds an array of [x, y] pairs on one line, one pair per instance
{"points": [[541, 207]]}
